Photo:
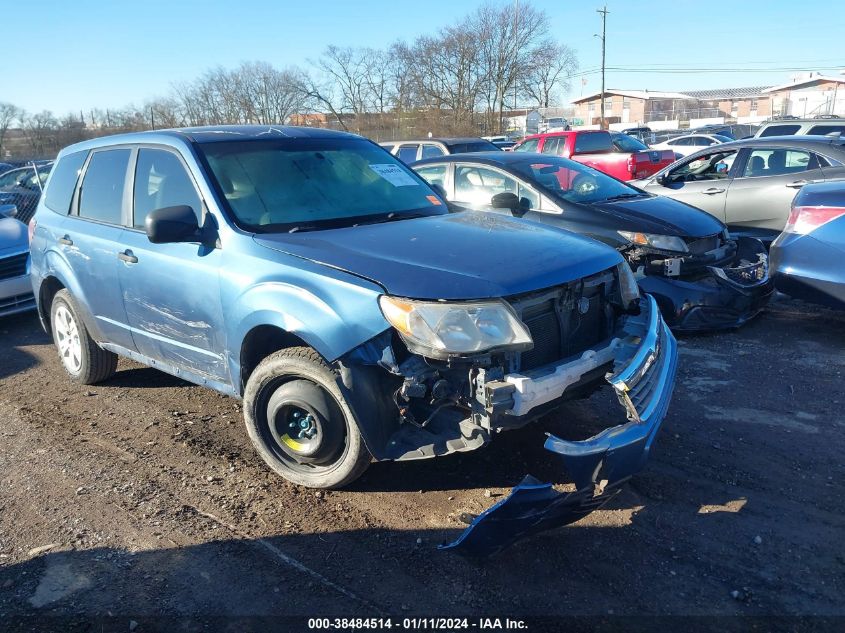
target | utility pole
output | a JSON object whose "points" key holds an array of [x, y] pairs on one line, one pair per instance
{"points": [[604, 13]]}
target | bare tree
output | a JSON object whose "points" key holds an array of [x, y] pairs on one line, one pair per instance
{"points": [[549, 74], [509, 36], [319, 95], [8, 114], [39, 131]]}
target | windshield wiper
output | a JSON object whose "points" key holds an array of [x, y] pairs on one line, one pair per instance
{"points": [[623, 196], [391, 217]]}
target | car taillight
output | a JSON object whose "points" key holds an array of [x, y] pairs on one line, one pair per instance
{"points": [[632, 164], [31, 231], [803, 220]]}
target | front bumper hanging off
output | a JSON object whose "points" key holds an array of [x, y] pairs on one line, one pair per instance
{"points": [[643, 377], [720, 297]]}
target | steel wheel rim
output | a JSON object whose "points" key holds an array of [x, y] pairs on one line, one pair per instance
{"points": [[322, 461], [67, 340]]}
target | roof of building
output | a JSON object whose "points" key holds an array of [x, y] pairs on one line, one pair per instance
{"points": [[806, 81], [635, 94], [727, 93]]}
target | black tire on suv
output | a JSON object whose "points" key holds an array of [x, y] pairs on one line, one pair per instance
{"points": [[299, 422], [84, 361]]}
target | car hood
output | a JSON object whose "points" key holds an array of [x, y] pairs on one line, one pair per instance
{"points": [[466, 255], [13, 235], [660, 215]]}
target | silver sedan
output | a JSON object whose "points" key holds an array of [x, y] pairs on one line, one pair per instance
{"points": [[750, 184]]}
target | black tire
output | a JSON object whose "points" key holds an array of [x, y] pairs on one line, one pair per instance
{"points": [[297, 385], [94, 363]]}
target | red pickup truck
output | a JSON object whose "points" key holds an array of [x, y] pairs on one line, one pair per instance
{"points": [[614, 153]]}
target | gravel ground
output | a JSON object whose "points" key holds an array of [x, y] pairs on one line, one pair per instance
{"points": [[142, 496]]}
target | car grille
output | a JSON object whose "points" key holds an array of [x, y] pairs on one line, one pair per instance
{"points": [[642, 393], [14, 266], [704, 244], [17, 303], [565, 321]]}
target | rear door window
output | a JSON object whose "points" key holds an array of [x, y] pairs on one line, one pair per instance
{"points": [[778, 162], [161, 180], [407, 153], [63, 182], [101, 197], [554, 145]]}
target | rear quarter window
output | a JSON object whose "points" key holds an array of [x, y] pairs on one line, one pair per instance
{"points": [[63, 182], [826, 129]]}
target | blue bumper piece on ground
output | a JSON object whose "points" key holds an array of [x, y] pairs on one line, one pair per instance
{"points": [[643, 379]]}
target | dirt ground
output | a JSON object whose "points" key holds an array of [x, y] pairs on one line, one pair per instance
{"points": [[142, 496]]}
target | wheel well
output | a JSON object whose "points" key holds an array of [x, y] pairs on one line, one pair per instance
{"points": [[262, 341], [49, 287]]}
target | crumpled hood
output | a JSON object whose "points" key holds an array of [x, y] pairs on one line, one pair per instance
{"points": [[13, 235], [456, 256], [662, 216]]}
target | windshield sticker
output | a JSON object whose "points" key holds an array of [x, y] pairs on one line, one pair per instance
{"points": [[434, 200], [394, 175]]}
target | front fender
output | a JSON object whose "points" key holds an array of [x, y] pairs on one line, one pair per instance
{"points": [[333, 319]]}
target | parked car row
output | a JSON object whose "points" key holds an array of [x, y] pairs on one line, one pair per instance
{"points": [[684, 258]]}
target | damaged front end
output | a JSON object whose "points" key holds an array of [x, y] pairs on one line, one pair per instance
{"points": [[719, 283], [585, 334], [643, 376]]}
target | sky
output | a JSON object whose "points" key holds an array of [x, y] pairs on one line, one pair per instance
{"points": [[78, 55]]}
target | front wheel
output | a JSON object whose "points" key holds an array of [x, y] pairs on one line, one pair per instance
{"points": [[300, 423]]}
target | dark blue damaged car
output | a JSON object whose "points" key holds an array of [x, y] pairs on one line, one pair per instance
{"points": [[322, 281]]}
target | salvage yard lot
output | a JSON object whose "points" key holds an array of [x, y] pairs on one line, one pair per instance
{"points": [[144, 495]]}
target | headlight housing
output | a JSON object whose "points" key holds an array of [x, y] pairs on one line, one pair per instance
{"points": [[442, 330], [660, 242], [628, 287]]}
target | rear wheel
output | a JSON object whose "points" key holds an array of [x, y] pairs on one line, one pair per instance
{"points": [[300, 423], [83, 360]]}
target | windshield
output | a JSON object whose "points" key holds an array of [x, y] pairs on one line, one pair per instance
{"points": [[472, 146], [573, 181], [306, 184], [626, 143]]}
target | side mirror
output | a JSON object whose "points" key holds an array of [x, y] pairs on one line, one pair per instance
{"points": [[172, 224], [509, 200], [8, 211]]}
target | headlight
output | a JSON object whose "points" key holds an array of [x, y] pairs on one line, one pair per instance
{"points": [[442, 330], [628, 287], [660, 242]]}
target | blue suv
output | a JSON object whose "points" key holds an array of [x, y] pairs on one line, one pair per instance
{"points": [[322, 281]]}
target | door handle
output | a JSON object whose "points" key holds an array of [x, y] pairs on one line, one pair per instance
{"points": [[712, 191], [797, 184], [127, 257], [65, 240]]}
